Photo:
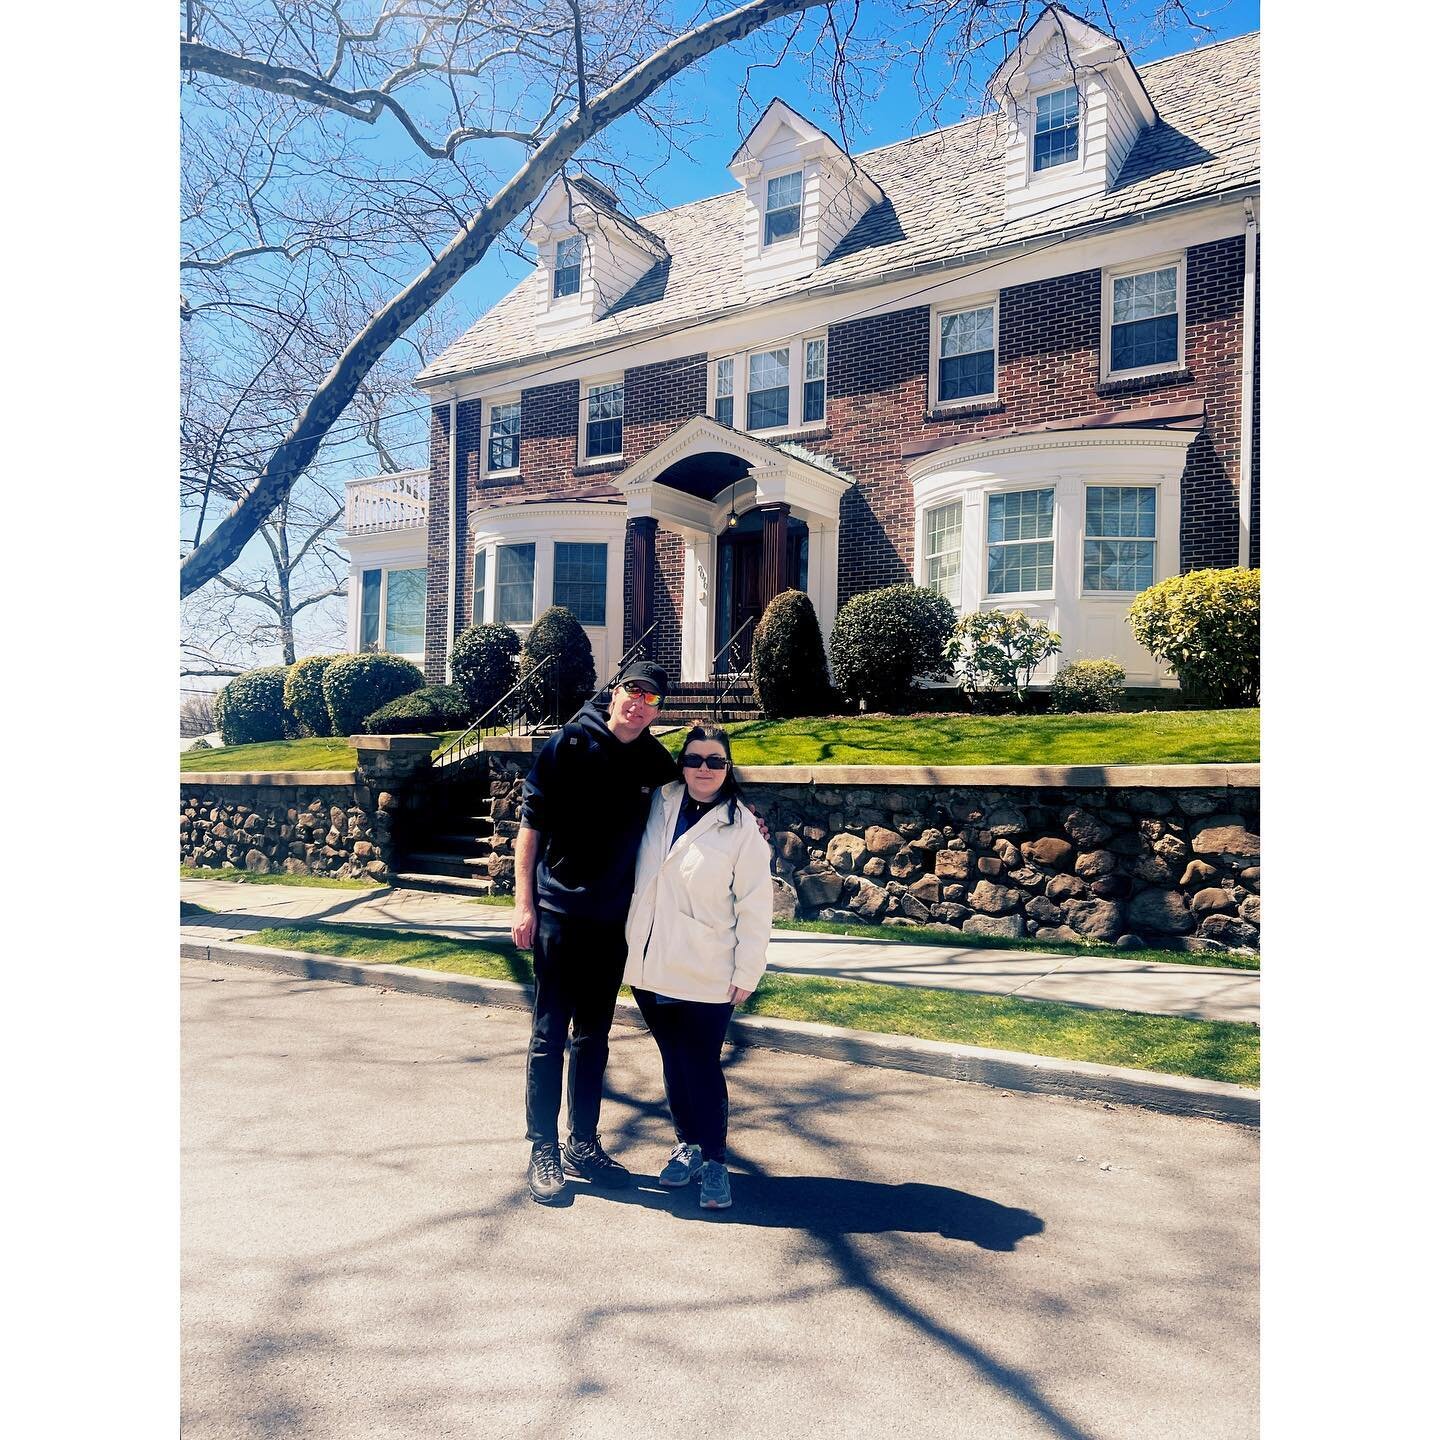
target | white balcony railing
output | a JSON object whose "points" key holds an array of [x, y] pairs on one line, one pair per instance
{"points": [[387, 502]]}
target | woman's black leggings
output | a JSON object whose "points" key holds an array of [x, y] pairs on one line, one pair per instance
{"points": [[690, 1034]]}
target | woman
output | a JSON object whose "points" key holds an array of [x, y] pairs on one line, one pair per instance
{"points": [[697, 931]]}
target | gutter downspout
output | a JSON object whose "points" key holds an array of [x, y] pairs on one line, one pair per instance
{"points": [[1247, 385], [454, 579]]}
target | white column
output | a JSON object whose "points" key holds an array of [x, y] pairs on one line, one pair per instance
{"points": [[823, 581], [697, 631]]}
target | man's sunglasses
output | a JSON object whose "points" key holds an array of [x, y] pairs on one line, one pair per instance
{"points": [[709, 762], [650, 697]]}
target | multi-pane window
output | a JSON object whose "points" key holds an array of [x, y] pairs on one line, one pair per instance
{"points": [[1119, 537], [967, 354], [504, 449], [814, 408], [1057, 128], [725, 390], [370, 610], [782, 207], [580, 580], [1144, 320], [567, 266], [767, 399], [942, 550], [405, 611], [1020, 536], [515, 584], [477, 591], [604, 418]]}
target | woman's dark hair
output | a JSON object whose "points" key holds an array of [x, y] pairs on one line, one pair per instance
{"points": [[730, 789]]}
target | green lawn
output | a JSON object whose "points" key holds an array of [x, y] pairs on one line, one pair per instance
{"points": [[312, 753], [1154, 737], [247, 877], [919, 935], [1211, 1050]]}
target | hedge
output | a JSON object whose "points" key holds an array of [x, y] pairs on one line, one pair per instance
{"points": [[1206, 626], [885, 640], [787, 659], [251, 707], [357, 685], [482, 663], [432, 707], [569, 680], [305, 696]]}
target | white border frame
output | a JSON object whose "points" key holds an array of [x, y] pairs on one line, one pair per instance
{"points": [[938, 311], [1108, 276], [1032, 107]]}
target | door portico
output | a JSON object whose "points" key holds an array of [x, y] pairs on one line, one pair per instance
{"points": [[691, 484]]}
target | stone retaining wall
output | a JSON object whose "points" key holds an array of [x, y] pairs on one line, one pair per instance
{"points": [[1130, 855], [268, 826]]}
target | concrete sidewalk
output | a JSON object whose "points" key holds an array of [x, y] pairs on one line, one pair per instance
{"points": [[1098, 982]]}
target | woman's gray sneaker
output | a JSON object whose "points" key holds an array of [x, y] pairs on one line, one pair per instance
{"points": [[682, 1166], [544, 1176], [714, 1186]]}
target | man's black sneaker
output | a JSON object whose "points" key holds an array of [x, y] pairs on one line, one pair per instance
{"points": [[545, 1177], [586, 1159]]}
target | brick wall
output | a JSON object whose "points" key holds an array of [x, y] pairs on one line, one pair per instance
{"points": [[437, 545]]}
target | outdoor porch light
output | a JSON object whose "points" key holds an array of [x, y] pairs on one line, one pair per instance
{"points": [[732, 519]]}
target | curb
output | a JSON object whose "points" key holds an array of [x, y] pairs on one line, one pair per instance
{"points": [[971, 1064]]}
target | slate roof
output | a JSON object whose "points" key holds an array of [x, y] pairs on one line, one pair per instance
{"points": [[944, 200]]}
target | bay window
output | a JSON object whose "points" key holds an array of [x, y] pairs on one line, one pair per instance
{"points": [[1020, 539], [515, 584], [1119, 537], [943, 550], [580, 573]]}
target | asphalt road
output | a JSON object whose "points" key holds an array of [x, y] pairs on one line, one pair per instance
{"points": [[907, 1256]]}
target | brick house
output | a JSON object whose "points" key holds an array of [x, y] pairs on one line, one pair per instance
{"points": [[1015, 359]]}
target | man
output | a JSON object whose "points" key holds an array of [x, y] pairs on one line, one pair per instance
{"points": [[583, 815]]}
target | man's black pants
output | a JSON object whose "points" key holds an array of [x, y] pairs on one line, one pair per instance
{"points": [[690, 1034], [578, 968]]}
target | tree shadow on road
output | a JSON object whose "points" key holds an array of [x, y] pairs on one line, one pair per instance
{"points": [[829, 1207]]}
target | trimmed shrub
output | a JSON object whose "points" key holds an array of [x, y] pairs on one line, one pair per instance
{"points": [[304, 697], [482, 663], [1000, 650], [1206, 627], [357, 685], [1087, 686], [885, 640], [431, 707], [787, 659], [569, 680], [251, 707]]}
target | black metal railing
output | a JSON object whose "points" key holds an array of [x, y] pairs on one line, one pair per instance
{"points": [[732, 678], [512, 714]]}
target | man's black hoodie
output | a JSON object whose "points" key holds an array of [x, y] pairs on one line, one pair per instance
{"points": [[588, 794]]}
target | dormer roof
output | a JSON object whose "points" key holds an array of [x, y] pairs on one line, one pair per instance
{"points": [[945, 204]]}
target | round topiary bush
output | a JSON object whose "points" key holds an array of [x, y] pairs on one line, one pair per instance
{"points": [[357, 685], [482, 663], [1206, 627], [1087, 687], [431, 707], [304, 697], [787, 659], [885, 640], [568, 681], [251, 707]]}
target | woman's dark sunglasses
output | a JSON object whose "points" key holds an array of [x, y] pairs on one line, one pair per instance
{"points": [[709, 762]]}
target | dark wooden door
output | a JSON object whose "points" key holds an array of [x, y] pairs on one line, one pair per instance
{"points": [[739, 597]]}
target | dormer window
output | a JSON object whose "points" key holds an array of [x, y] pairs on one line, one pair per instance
{"points": [[567, 266], [1057, 128], [782, 207]]}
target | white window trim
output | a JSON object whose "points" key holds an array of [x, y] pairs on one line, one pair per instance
{"points": [[959, 307], [552, 268], [596, 382], [1070, 167], [486, 407], [775, 246], [795, 385], [1124, 596], [1108, 277], [994, 599], [384, 603], [926, 557]]}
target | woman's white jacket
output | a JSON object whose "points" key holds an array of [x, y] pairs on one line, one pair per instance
{"points": [[700, 917]]}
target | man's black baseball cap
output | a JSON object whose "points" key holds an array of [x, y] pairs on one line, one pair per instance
{"points": [[648, 674]]}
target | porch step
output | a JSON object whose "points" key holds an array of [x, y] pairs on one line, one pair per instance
{"points": [[468, 840], [445, 862], [442, 884]]}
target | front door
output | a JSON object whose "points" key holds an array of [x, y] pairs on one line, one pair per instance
{"points": [[737, 593]]}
